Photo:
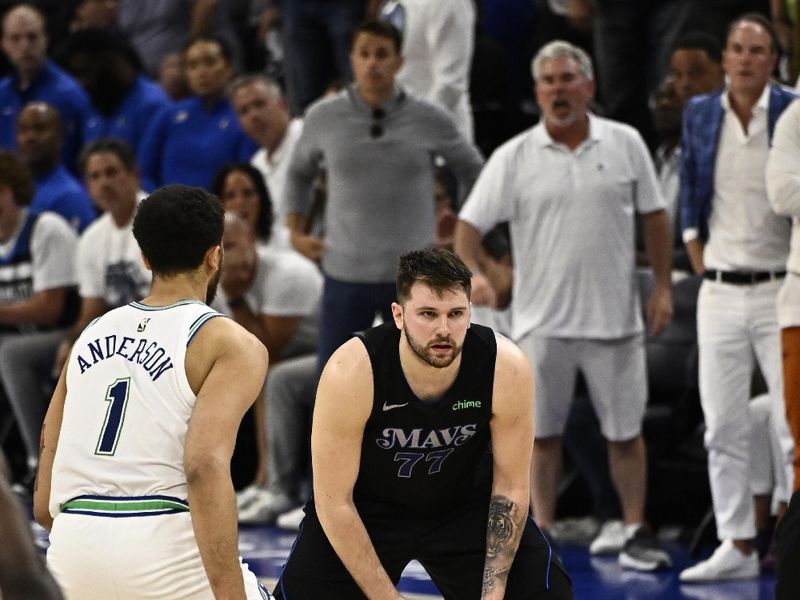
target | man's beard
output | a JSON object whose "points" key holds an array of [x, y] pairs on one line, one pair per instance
{"points": [[211, 289], [425, 352]]}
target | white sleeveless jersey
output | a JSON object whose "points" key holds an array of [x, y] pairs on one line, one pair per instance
{"points": [[127, 411]]}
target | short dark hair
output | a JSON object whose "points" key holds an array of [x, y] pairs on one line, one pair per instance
{"points": [[758, 19], [224, 46], [176, 225], [437, 268], [110, 145], [265, 212], [15, 174], [381, 29], [93, 41], [699, 40]]}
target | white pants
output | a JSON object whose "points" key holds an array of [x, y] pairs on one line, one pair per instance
{"points": [[767, 469], [132, 558], [735, 325]]}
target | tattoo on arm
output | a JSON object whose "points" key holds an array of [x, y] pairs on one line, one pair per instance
{"points": [[503, 532]]}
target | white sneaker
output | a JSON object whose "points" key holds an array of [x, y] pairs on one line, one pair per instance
{"points": [[610, 540], [265, 507], [726, 563], [246, 495], [291, 520]]}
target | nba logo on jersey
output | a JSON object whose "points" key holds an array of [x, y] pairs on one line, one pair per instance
{"points": [[143, 324]]}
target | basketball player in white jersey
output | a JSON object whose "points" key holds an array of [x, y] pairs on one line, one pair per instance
{"points": [[134, 476]]}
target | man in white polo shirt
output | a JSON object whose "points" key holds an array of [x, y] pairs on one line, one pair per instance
{"points": [[264, 116], [740, 246], [570, 188]]}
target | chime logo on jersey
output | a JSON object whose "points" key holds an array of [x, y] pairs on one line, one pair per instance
{"points": [[422, 439], [143, 325], [463, 404]]}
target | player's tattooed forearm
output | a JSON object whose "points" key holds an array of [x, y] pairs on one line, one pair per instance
{"points": [[501, 525], [503, 533]]}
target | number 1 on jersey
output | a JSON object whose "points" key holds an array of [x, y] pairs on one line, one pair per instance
{"points": [[117, 398]]}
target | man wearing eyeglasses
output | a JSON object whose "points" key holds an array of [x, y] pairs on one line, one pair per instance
{"points": [[378, 144]]}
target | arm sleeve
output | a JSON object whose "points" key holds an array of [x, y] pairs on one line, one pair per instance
{"points": [[89, 268], [783, 165], [451, 39], [150, 150], [303, 167], [491, 199], [292, 289], [53, 246], [648, 193], [689, 216], [461, 156]]}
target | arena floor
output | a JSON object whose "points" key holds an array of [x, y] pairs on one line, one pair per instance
{"points": [[265, 549]]}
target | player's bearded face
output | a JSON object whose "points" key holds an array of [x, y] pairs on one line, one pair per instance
{"points": [[439, 352]]}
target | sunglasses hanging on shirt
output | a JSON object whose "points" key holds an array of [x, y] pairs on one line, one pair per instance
{"points": [[376, 129]]}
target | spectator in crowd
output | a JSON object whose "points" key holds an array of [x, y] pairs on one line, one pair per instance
{"points": [[740, 246], [569, 188], [38, 300], [242, 190], [123, 101], [263, 114], [39, 140], [109, 265], [274, 294], [632, 42], [190, 140], [438, 40], [35, 77], [316, 39], [89, 14], [374, 214], [696, 65], [171, 77], [158, 28], [783, 187], [667, 110]]}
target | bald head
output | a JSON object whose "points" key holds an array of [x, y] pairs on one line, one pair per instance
{"points": [[237, 231], [24, 40], [38, 136]]}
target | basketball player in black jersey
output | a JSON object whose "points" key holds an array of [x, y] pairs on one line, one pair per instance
{"points": [[421, 444]]}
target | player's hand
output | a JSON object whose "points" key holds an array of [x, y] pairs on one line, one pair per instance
{"points": [[62, 354], [482, 291], [308, 245], [659, 310]]}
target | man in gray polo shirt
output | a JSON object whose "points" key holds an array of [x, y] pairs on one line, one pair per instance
{"points": [[378, 145], [569, 188]]}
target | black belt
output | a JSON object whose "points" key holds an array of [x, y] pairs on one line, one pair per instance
{"points": [[742, 277]]}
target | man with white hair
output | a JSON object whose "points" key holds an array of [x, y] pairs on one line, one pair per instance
{"points": [[569, 188]]}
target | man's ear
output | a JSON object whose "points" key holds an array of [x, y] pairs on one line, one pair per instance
{"points": [[214, 257], [397, 315]]}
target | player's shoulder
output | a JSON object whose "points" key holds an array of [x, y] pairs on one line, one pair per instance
{"points": [[511, 360], [220, 335], [349, 365]]}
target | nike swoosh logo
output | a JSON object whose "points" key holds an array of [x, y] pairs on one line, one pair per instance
{"points": [[391, 406]]}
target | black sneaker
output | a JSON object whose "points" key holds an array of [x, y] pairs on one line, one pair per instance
{"points": [[641, 552]]}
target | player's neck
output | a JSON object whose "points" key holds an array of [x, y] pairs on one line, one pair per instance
{"points": [[428, 383], [169, 290]]}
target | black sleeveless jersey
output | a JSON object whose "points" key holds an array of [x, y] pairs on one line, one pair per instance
{"points": [[425, 457]]}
